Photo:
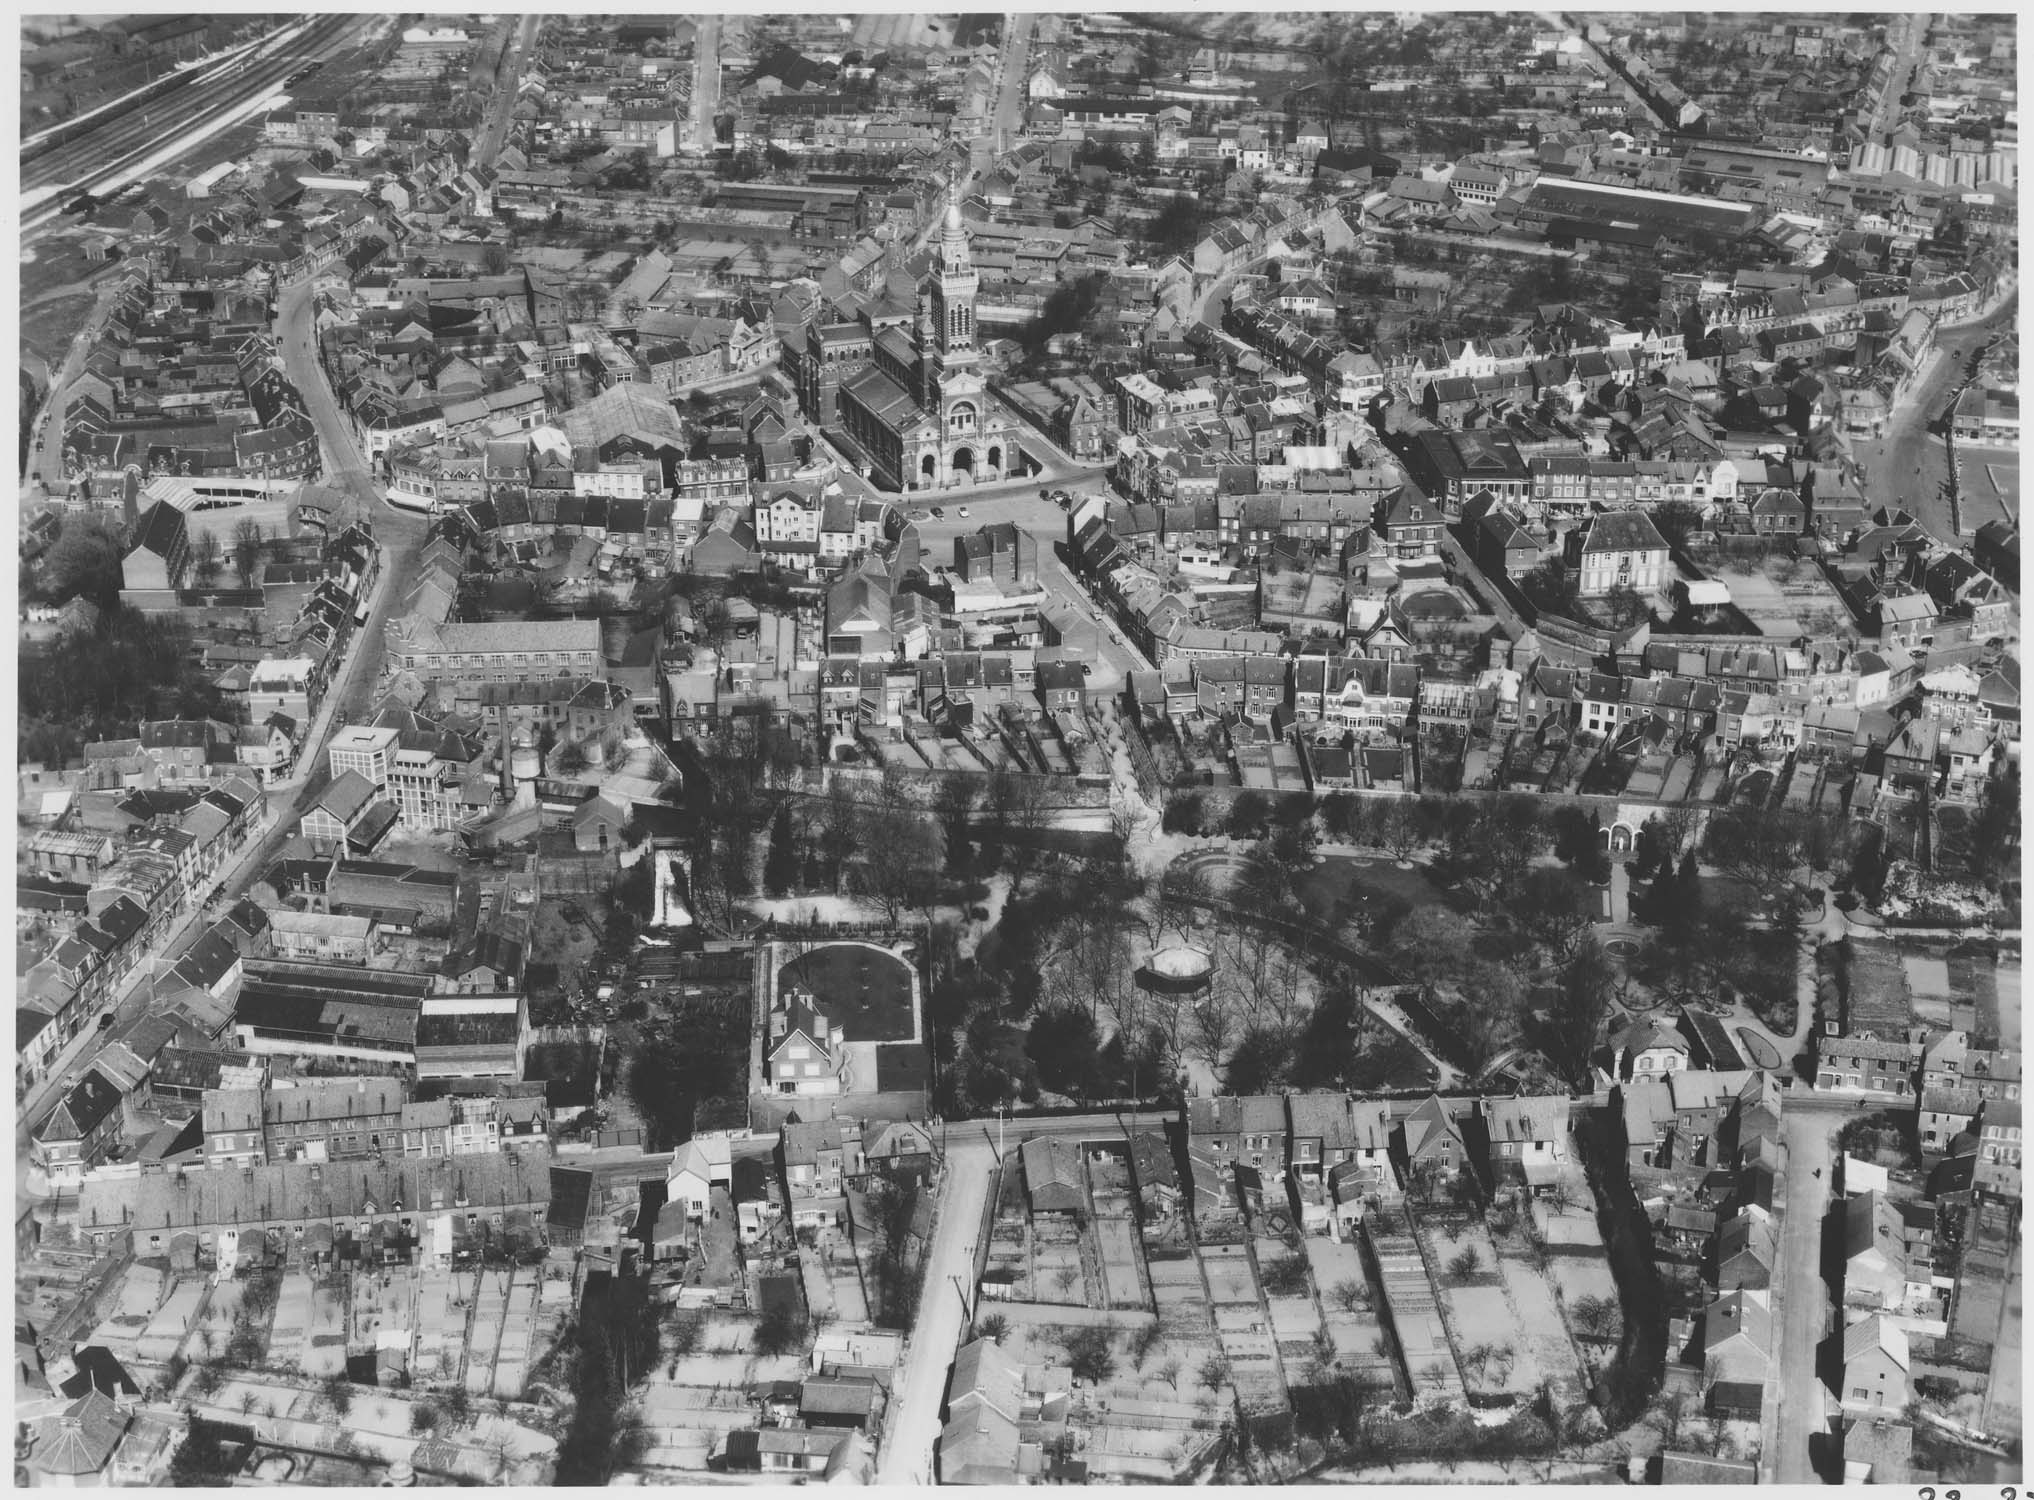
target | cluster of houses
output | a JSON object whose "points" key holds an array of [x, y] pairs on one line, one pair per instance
{"points": [[1323, 1159], [183, 379], [99, 888], [345, 986]]}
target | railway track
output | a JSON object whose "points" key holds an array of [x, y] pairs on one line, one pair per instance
{"points": [[57, 170]]}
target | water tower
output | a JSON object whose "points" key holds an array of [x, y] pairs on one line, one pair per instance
{"points": [[525, 766]]}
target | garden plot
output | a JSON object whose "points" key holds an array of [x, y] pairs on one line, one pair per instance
{"points": [[1116, 1244], [325, 1343], [440, 1327], [1056, 1271], [140, 1296], [1353, 1326], [1182, 1304], [215, 1325], [1546, 1332], [384, 1302], [289, 1332], [1240, 1326], [1491, 1345], [850, 1300], [1928, 983], [512, 1355], [483, 1337], [1409, 1302], [172, 1323], [1288, 1292], [683, 1423]]}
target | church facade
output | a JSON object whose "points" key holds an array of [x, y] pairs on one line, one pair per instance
{"points": [[914, 399]]}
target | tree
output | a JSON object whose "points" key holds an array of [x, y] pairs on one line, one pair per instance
{"points": [[84, 559], [901, 860], [994, 1326], [1579, 1008], [1351, 1294], [1214, 1031], [205, 559], [1549, 907], [1090, 1354], [1465, 1264], [778, 1332], [1677, 520], [1510, 835], [1248, 814], [1185, 812], [1177, 227], [838, 832], [1432, 943], [1549, 587], [780, 868], [1598, 1319], [202, 1459], [1065, 1044], [1213, 1373], [1623, 606], [953, 802], [1285, 1276], [338, 1394], [1403, 831], [248, 542]]}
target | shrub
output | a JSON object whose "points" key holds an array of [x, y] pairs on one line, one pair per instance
{"points": [[1466, 1264]]}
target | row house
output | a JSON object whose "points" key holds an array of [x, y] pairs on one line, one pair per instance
{"points": [[313, 1120]]}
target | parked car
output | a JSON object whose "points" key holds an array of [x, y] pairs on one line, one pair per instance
{"points": [[938, 513], [963, 512]]}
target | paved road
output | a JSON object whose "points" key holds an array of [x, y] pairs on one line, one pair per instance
{"points": [[401, 535], [1908, 466], [1796, 1397], [45, 464], [1912, 32], [971, 1153], [1014, 66], [907, 1456], [705, 83], [507, 81]]}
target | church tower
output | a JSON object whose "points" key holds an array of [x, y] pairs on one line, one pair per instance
{"points": [[952, 362]]}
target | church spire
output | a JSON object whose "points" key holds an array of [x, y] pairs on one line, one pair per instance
{"points": [[953, 241]]}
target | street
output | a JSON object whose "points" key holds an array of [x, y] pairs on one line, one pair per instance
{"points": [[501, 111], [705, 84], [1913, 31], [935, 1332], [1796, 1398], [971, 1151], [352, 693], [1908, 466], [1013, 65]]}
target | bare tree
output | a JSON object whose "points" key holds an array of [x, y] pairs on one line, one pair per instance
{"points": [[248, 543], [1214, 1030]]}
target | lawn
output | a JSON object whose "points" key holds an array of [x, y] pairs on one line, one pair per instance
{"points": [[1338, 875], [863, 991], [49, 329]]}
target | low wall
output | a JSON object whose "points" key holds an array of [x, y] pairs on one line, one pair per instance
{"points": [[1048, 1315]]}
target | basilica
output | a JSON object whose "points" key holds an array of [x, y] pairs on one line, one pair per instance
{"points": [[914, 399]]}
